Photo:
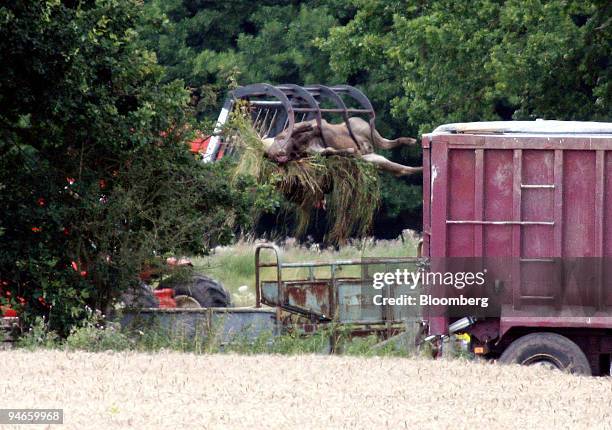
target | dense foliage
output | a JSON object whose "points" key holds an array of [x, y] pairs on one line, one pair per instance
{"points": [[422, 63], [453, 61], [95, 178]]}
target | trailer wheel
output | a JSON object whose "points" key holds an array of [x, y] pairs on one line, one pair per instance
{"points": [[547, 349], [200, 291]]}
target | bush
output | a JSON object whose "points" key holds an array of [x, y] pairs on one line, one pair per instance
{"points": [[39, 336], [96, 181], [95, 334]]}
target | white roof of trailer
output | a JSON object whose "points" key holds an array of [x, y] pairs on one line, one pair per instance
{"points": [[526, 127]]}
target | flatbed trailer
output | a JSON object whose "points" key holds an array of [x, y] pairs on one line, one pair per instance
{"points": [[338, 293]]}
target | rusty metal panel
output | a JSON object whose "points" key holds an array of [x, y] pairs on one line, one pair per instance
{"points": [[606, 245], [538, 276], [579, 203], [269, 293], [439, 196], [461, 201], [427, 179], [311, 296], [340, 299], [402, 312], [498, 177], [355, 302], [438, 201], [607, 208]]}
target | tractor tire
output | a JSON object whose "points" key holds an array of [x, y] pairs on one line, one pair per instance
{"points": [[200, 291], [140, 296], [547, 349]]}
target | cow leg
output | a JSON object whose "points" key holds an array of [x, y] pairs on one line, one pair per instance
{"points": [[330, 151], [382, 143], [333, 151], [389, 166]]}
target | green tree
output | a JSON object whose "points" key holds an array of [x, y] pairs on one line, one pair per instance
{"points": [[197, 41], [422, 63], [435, 62], [97, 181], [284, 50], [277, 42], [453, 61], [208, 43], [554, 59]]}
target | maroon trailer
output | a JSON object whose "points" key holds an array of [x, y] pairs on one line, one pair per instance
{"points": [[533, 200]]}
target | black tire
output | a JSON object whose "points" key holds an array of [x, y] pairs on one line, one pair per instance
{"points": [[549, 349], [204, 290], [140, 296]]}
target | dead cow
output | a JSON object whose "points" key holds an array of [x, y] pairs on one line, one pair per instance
{"points": [[335, 139]]}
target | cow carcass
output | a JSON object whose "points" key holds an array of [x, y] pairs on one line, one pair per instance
{"points": [[360, 140]]}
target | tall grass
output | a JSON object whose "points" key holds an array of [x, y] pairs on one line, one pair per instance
{"points": [[97, 335]]}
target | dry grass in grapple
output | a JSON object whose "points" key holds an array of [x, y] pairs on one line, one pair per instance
{"points": [[171, 390], [349, 186]]}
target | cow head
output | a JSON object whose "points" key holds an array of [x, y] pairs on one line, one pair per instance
{"points": [[285, 148]]}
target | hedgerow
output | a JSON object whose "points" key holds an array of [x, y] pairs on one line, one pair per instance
{"points": [[96, 180]]}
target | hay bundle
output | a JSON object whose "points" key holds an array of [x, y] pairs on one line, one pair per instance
{"points": [[347, 187]]}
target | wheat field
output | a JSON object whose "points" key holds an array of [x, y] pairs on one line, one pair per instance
{"points": [[172, 390]]}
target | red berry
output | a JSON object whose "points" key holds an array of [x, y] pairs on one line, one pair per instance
{"points": [[8, 312]]}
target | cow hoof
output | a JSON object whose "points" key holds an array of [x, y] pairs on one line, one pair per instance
{"points": [[410, 171]]}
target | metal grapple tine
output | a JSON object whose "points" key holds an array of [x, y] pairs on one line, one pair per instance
{"points": [[267, 90], [287, 99], [363, 101], [306, 97], [331, 95]]}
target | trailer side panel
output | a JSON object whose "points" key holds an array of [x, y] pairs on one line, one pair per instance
{"points": [[534, 200]]}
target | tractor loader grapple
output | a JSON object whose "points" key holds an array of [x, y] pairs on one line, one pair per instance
{"points": [[274, 109]]}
